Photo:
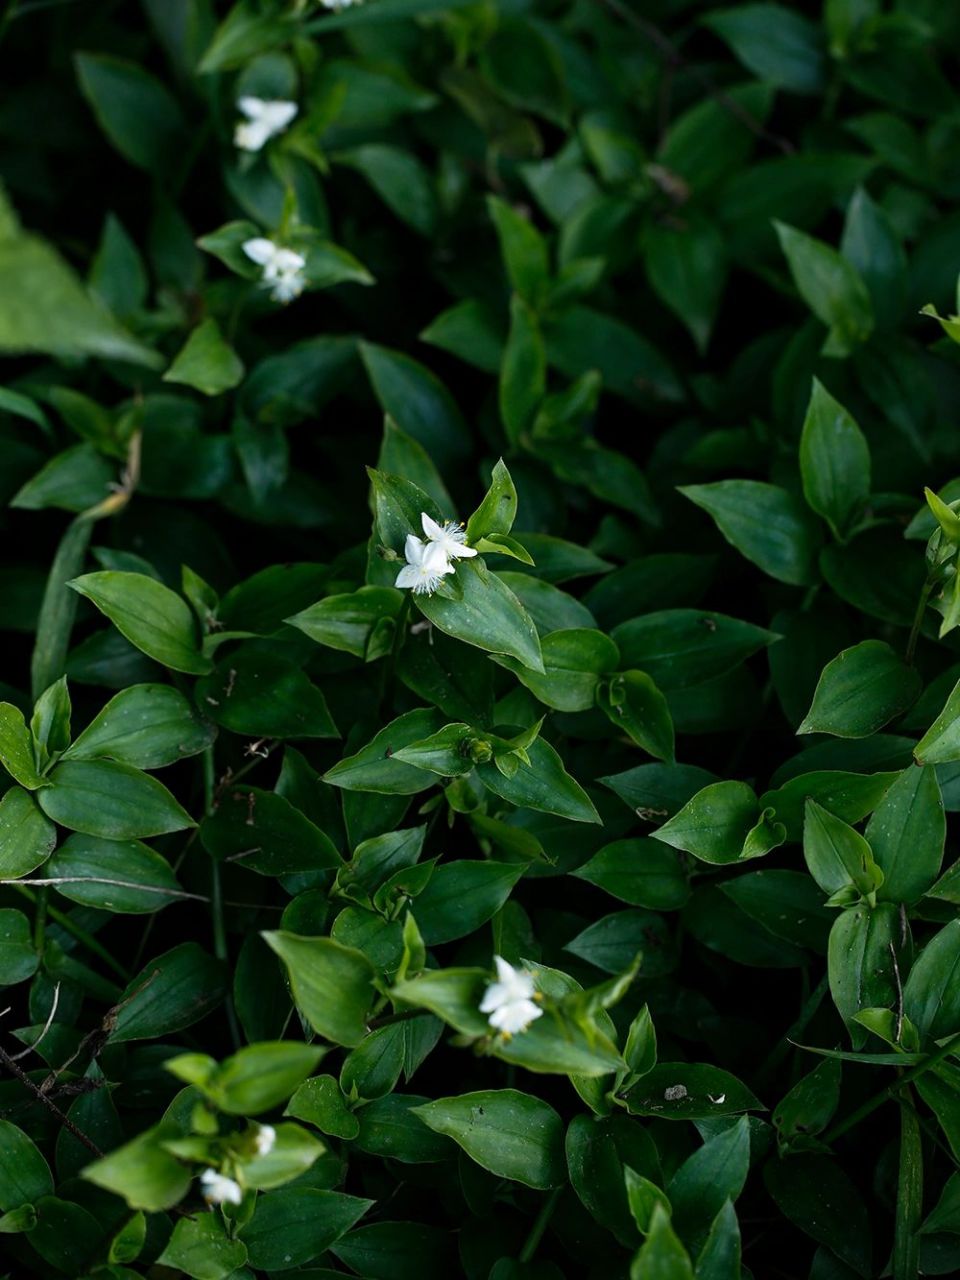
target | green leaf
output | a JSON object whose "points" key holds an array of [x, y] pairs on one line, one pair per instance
{"points": [[498, 510], [838, 857], [149, 615], [399, 179], [687, 268], [713, 1175], [580, 339], [863, 943], [542, 784], [265, 833], [850, 796], [332, 984], [765, 523], [514, 1135], [148, 726], [941, 743], [201, 1248], [777, 45], [137, 113], [27, 838], [632, 702], [173, 991], [114, 875], [714, 824], [486, 614], [418, 403], [524, 252], [358, 622], [907, 832], [16, 748], [54, 313], [142, 1172], [600, 1151], [256, 1078], [461, 896], [373, 767], [206, 362], [640, 872], [662, 1257], [860, 691], [24, 1174], [931, 994], [712, 139], [116, 801], [523, 371], [263, 694], [834, 462], [614, 942], [573, 661], [296, 1225], [815, 1194], [689, 1091], [872, 243], [320, 1102], [680, 647], [831, 287]]}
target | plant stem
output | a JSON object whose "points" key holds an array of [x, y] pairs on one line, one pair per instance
{"points": [[82, 936], [886, 1094], [540, 1225], [220, 946], [918, 621]]}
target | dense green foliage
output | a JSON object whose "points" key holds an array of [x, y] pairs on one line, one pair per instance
{"points": [[657, 299]]}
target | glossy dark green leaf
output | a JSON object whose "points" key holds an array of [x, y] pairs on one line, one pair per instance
{"points": [[266, 696], [906, 832], [296, 1225], [461, 896], [775, 43], [148, 726], [173, 991], [542, 784], [818, 1197], [689, 1091], [515, 1135], [766, 524], [116, 801], [640, 872], [834, 461], [862, 689], [680, 647], [332, 984], [485, 613], [114, 875], [264, 832], [831, 287], [150, 615], [27, 838]]}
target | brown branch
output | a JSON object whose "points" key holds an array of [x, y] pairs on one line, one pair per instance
{"points": [[38, 1093]]}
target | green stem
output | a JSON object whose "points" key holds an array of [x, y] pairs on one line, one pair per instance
{"points": [[85, 939], [918, 621], [540, 1225], [886, 1094], [40, 921], [906, 1241], [221, 947]]}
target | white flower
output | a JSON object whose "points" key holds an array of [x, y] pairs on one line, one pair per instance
{"points": [[510, 1000], [219, 1189], [450, 536], [426, 565], [282, 268], [264, 1139], [339, 4], [265, 119]]}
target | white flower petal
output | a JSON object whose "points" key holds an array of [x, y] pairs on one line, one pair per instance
{"points": [[408, 576], [278, 114], [260, 250], [433, 530], [414, 549]]}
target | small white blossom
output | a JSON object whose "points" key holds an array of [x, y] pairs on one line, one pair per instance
{"points": [[334, 5], [282, 268], [450, 536], [265, 119], [265, 1138], [219, 1189], [509, 1001], [425, 568]]}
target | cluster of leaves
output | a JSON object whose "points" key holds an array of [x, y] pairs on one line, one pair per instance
{"points": [[668, 264]]}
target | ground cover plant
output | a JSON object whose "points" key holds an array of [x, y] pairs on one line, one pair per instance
{"points": [[480, 711]]}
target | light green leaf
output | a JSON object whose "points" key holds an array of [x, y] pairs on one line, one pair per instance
{"points": [[513, 1135], [860, 690], [206, 362]]}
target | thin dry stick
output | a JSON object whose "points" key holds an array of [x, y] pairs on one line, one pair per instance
{"points": [[46, 1027], [37, 1091]]}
